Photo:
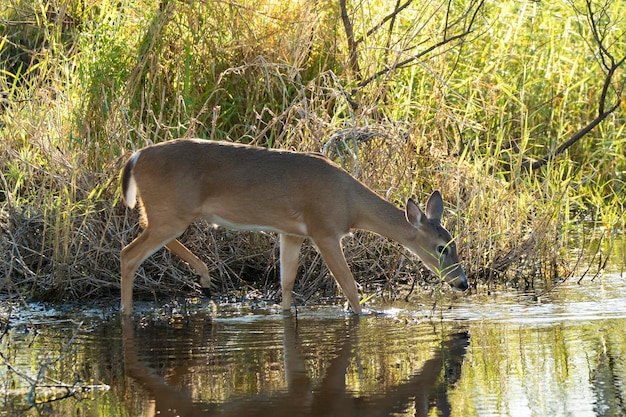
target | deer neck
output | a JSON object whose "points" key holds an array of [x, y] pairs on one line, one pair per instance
{"points": [[383, 218]]}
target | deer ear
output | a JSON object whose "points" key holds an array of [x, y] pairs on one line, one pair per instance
{"points": [[434, 206], [414, 215]]}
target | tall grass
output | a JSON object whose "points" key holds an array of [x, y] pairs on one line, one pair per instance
{"points": [[84, 84]]}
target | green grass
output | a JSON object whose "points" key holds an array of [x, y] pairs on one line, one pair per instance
{"points": [[85, 84]]}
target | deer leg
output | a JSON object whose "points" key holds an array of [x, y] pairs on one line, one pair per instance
{"points": [[151, 240], [331, 251], [194, 262], [289, 257]]}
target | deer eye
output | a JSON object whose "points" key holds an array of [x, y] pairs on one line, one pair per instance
{"points": [[442, 250]]}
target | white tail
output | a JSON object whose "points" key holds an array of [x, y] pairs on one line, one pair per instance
{"points": [[130, 185], [296, 195]]}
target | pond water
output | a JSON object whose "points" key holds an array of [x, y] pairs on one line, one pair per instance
{"points": [[503, 354]]}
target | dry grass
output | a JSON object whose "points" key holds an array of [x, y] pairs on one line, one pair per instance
{"points": [[98, 89]]}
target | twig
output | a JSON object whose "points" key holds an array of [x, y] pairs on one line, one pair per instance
{"points": [[411, 59], [446, 40], [391, 16]]}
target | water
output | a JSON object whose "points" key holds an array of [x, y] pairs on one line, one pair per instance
{"points": [[506, 354]]}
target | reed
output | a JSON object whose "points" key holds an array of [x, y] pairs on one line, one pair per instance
{"points": [[85, 84]]}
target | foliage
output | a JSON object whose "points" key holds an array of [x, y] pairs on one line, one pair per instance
{"points": [[458, 96]]}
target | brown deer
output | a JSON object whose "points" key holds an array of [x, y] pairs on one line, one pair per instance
{"points": [[297, 195]]}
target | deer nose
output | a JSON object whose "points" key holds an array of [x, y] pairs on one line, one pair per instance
{"points": [[460, 282]]}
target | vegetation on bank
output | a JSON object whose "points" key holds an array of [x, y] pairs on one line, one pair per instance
{"points": [[514, 110]]}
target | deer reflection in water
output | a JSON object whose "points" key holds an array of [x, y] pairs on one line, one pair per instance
{"points": [[421, 392]]}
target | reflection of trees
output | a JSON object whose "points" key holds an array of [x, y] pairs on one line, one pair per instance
{"points": [[607, 380], [23, 390], [329, 396]]}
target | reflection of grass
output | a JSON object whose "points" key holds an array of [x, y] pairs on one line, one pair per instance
{"points": [[84, 85], [506, 366]]}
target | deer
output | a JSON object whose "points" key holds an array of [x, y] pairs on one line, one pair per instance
{"points": [[294, 194]]}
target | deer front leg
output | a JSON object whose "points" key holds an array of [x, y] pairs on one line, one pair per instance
{"points": [[331, 251], [289, 257]]}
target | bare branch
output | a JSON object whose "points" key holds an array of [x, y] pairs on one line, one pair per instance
{"points": [[392, 24], [607, 84], [399, 7], [411, 59], [352, 44], [599, 39], [445, 40]]}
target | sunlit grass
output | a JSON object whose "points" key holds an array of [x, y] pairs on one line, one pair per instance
{"points": [[102, 80]]}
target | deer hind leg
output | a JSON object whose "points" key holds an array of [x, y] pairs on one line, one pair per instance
{"points": [[331, 251], [151, 240], [194, 262], [289, 257]]}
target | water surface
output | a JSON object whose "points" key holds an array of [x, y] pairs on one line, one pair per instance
{"points": [[503, 354]]}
